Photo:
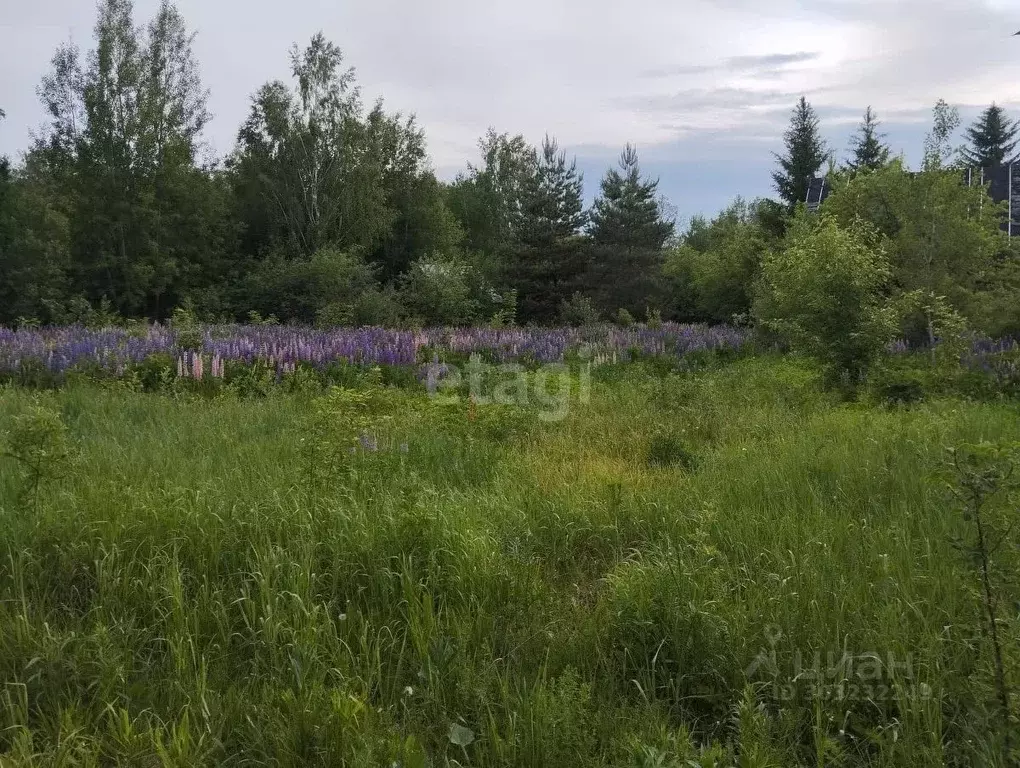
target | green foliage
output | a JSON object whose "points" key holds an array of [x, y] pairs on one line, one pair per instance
{"points": [[993, 139], [552, 206], [254, 382], [628, 232], [189, 333], [78, 311], [823, 293], [668, 450], [255, 318], [927, 319], [941, 236], [712, 272], [34, 244], [423, 222], [805, 152], [443, 290], [984, 474], [547, 261], [550, 592], [626, 215], [900, 384], [307, 163], [868, 152], [995, 306], [624, 319], [488, 200], [374, 307], [340, 420], [331, 285], [579, 311], [37, 441], [939, 153], [121, 151]]}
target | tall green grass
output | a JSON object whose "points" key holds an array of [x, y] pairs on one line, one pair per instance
{"points": [[564, 597]]}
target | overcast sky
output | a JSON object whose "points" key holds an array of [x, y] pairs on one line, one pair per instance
{"points": [[702, 87]]}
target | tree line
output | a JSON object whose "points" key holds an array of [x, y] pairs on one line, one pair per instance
{"points": [[327, 210]]}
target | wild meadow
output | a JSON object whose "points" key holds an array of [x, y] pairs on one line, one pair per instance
{"points": [[703, 559], [310, 456]]}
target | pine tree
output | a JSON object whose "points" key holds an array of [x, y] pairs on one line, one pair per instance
{"points": [[993, 139], [869, 153], [549, 257], [805, 154], [627, 212], [552, 206], [628, 231]]}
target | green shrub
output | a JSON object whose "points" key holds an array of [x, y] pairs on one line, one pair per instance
{"points": [[38, 443], [899, 386], [155, 373], [578, 311], [624, 319], [667, 450], [823, 294], [442, 289]]}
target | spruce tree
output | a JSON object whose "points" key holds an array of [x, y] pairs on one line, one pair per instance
{"points": [[993, 139], [868, 151], [805, 154]]}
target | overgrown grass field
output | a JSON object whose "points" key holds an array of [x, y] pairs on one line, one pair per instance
{"points": [[722, 568]]}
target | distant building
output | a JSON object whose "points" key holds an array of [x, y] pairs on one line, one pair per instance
{"points": [[1003, 186]]}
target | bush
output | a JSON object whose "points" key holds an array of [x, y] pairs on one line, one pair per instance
{"points": [[823, 294], [899, 386], [38, 443], [624, 319], [666, 450], [928, 320], [579, 311], [331, 283], [374, 307], [442, 290], [189, 333]]}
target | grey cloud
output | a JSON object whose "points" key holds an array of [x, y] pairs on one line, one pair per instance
{"points": [[726, 98], [768, 64], [692, 84]]}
